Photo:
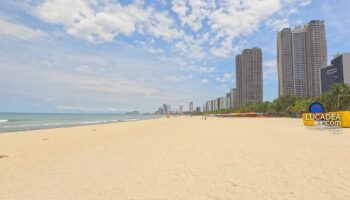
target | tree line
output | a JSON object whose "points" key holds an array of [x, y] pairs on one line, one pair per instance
{"points": [[336, 99]]}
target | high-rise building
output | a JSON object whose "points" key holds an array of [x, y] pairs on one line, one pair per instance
{"points": [[249, 76], [233, 97], [159, 111], [165, 109], [215, 104], [299, 65], [228, 100], [285, 62], [317, 54], [181, 108], [208, 107], [337, 72], [198, 109], [220, 103], [301, 53], [239, 81], [190, 107]]}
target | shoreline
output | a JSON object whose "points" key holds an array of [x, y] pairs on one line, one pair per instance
{"points": [[71, 124]]}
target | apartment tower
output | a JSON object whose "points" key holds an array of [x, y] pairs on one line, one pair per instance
{"points": [[317, 54], [249, 76], [190, 107], [301, 53]]}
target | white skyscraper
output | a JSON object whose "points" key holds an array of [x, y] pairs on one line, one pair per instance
{"points": [[181, 108]]}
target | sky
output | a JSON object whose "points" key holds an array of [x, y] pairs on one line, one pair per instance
{"points": [[98, 56]]}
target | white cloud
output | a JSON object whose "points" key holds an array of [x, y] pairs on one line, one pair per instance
{"points": [[84, 69], [13, 30], [174, 78], [207, 69], [282, 18], [92, 20], [200, 28], [270, 69], [225, 78], [191, 68], [160, 25], [102, 21]]}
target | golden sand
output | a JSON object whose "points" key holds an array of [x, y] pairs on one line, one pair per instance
{"points": [[177, 158]]}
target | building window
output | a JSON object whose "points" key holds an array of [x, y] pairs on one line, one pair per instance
{"points": [[332, 71]]}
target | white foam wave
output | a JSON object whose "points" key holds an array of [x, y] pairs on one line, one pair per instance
{"points": [[3, 120], [58, 124]]}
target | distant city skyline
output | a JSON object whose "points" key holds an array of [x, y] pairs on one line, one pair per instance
{"points": [[99, 57]]}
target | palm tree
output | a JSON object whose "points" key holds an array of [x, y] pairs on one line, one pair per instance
{"points": [[339, 96], [327, 101]]}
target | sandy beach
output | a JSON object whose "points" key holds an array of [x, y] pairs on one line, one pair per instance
{"points": [[177, 158]]}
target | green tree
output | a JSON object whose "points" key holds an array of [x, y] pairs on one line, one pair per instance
{"points": [[282, 103], [337, 98]]}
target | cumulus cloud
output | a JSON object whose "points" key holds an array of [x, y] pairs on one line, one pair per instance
{"points": [[225, 78], [92, 20], [102, 21], [198, 28]]}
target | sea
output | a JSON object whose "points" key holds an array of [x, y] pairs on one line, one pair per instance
{"points": [[12, 122]]}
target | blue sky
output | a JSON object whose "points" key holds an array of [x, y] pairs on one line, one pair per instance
{"points": [[115, 56]]}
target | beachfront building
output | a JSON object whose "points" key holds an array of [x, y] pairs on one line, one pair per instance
{"points": [[198, 109], [228, 100], [301, 53], [208, 106], [190, 107], [216, 104], [159, 111], [337, 72], [249, 76], [221, 103], [181, 108], [285, 62], [164, 110], [233, 97], [317, 54], [211, 105]]}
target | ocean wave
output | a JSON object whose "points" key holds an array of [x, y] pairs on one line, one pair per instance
{"points": [[3, 120], [129, 120], [62, 124]]}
